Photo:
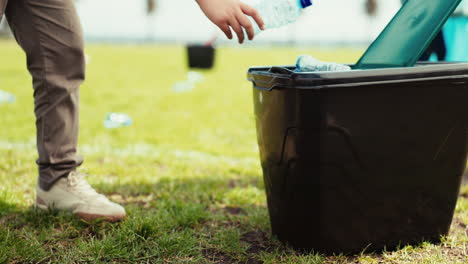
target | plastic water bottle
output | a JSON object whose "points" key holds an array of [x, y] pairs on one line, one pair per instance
{"points": [[193, 78], [277, 13], [306, 63], [6, 98], [116, 120]]}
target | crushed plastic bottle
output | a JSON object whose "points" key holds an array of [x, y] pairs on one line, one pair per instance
{"points": [[193, 78], [6, 98], [306, 63], [183, 86], [277, 13], [116, 120]]}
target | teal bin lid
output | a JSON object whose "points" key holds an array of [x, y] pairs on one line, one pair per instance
{"points": [[408, 34]]}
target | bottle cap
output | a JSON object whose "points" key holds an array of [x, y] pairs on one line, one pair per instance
{"points": [[305, 3]]}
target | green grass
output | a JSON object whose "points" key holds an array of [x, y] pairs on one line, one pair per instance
{"points": [[187, 170]]}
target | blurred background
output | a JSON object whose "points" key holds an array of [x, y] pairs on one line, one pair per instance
{"points": [[337, 22]]}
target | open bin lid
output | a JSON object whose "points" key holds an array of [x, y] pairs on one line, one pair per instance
{"points": [[269, 78], [408, 34]]}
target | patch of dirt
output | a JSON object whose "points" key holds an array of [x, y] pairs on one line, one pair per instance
{"points": [[59, 246], [221, 224], [223, 258], [8, 218], [234, 183], [230, 210], [458, 225], [455, 253], [258, 241], [231, 223], [341, 260], [234, 210], [90, 232], [218, 257]]}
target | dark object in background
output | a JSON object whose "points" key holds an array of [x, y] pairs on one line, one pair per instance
{"points": [[438, 47], [200, 56], [150, 6], [367, 159], [371, 7]]}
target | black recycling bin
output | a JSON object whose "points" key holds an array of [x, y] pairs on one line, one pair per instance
{"points": [[364, 159], [200, 56]]}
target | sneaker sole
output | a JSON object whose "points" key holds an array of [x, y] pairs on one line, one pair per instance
{"points": [[85, 216], [41, 204], [107, 218]]}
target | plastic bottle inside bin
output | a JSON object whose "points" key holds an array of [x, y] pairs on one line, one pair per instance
{"points": [[277, 13], [306, 63]]}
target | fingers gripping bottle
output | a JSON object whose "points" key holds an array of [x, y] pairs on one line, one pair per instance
{"points": [[277, 13]]}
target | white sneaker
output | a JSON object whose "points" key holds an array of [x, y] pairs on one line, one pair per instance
{"points": [[74, 194]]}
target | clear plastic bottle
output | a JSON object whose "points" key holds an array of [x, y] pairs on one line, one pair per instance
{"points": [[277, 13], [116, 120], [306, 63], [6, 98]]}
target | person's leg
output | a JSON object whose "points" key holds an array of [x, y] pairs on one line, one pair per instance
{"points": [[427, 54], [50, 33], [3, 4], [439, 46]]}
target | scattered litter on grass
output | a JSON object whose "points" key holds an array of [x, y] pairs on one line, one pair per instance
{"points": [[189, 83], [195, 77], [182, 86], [147, 151], [116, 120], [6, 97]]}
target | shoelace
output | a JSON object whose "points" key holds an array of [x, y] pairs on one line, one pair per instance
{"points": [[78, 182]]}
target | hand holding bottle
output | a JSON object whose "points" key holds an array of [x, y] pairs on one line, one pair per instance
{"points": [[233, 14]]}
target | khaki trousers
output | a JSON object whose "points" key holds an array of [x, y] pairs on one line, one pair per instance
{"points": [[50, 34]]}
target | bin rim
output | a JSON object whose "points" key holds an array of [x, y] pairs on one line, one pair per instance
{"points": [[283, 77]]}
